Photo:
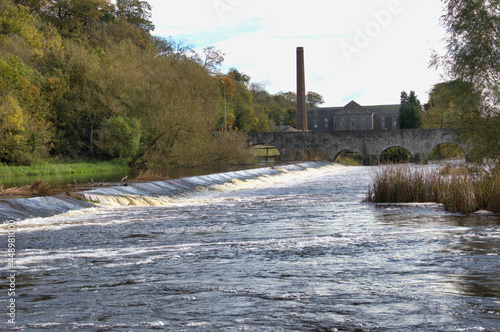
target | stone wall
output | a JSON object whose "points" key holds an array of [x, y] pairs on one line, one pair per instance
{"points": [[370, 144]]}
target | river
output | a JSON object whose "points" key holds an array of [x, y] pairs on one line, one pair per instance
{"points": [[290, 248]]}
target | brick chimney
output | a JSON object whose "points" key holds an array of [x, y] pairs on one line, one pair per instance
{"points": [[301, 91]]}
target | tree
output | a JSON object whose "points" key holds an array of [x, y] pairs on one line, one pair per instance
{"points": [[286, 99], [451, 105], [25, 132], [135, 12], [473, 55], [81, 79], [170, 47], [76, 18], [473, 48], [119, 137], [239, 77], [410, 115], [314, 99], [212, 58], [34, 6]]}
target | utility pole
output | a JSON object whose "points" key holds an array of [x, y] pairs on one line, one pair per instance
{"points": [[225, 113]]}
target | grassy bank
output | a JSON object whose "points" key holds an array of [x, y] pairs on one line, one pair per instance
{"points": [[459, 189], [61, 168]]}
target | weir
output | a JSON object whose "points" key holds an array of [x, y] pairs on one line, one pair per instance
{"points": [[157, 193]]}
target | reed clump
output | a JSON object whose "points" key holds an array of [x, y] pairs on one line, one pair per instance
{"points": [[459, 189], [37, 188], [150, 175], [40, 187]]}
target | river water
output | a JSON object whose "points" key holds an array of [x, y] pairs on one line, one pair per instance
{"points": [[292, 248]]}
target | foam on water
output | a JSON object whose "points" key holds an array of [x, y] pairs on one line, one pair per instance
{"points": [[165, 193], [175, 192]]}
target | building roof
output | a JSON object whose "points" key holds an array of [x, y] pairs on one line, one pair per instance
{"points": [[353, 108], [384, 109], [284, 129], [358, 109]]}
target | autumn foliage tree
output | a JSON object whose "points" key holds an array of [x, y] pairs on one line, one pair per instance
{"points": [[86, 79]]}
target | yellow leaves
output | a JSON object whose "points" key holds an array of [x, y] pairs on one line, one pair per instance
{"points": [[51, 38], [18, 21], [54, 88], [230, 85], [14, 120], [22, 135]]}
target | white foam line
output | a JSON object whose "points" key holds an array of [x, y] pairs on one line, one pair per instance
{"points": [[201, 193]]}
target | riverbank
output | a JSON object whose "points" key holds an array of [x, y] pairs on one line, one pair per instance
{"points": [[81, 167], [50, 182], [53, 178], [459, 188]]}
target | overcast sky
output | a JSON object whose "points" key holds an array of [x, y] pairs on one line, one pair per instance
{"points": [[363, 50]]}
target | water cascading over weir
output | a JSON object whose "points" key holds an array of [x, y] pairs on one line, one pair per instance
{"points": [[157, 193]]}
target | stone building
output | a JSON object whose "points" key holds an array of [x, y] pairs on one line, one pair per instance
{"points": [[353, 117]]}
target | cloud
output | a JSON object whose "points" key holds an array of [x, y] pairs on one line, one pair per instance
{"points": [[260, 39]]}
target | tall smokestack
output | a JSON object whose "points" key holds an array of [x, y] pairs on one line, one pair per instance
{"points": [[301, 91]]}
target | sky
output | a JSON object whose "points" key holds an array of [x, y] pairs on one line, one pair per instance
{"points": [[363, 50]]}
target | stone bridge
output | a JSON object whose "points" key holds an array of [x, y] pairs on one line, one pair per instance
{"points": [[370, 144]]}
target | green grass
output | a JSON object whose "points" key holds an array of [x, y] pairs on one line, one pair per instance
{"points": [[84, 167]]}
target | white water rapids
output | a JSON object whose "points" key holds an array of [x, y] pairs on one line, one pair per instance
{"points": [[289, 248]]}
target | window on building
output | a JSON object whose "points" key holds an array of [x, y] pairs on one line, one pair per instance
{"points": [[326, 123], [394, 122], [363, 122], [342, 123], [315, 121], [382, 122], [353, 123]]}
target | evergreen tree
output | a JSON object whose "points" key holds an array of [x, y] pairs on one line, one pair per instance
{"points": [[410, 115]]}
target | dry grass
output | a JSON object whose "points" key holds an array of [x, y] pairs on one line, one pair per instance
{"points": [[150, 175], [38, 188], [42, 188], [460, 189], [12, 192]]}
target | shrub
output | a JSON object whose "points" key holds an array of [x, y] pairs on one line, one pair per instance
{"points": [[119, 137]]}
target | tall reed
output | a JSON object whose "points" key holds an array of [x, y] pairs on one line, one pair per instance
{"points": [[400, 184], [458, 194], [458, 189]]}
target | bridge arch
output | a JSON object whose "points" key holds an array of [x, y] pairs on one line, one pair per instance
{"points": [[396, 157], [449, 148], [350, 154], [368, 143], [396, 145], [267, 152]]}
